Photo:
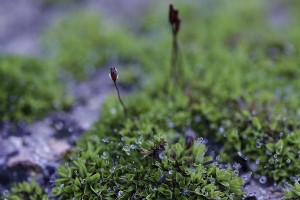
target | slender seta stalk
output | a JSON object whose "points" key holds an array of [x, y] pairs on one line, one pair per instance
{"points": [[114, 76], [174, 22]]}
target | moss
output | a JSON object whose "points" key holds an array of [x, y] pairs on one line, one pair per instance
{"points": [[30, 88], [82, 41], [292, 192], [142, 157], [240, 90], [26, 191]]}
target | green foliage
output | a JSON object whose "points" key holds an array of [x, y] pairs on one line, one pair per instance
{"points": [[292, 192], [81, 41], [242, 84], [240, 90], [142, 157], [26, 191], [29, 88]]}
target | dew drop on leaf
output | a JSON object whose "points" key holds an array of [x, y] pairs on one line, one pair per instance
{"points": [[262, 179], [120, 193], [161, 155]]}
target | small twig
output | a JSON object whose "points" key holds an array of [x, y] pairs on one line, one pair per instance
{"points": [[114, 76]]}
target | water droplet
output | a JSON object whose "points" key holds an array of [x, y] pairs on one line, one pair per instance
{"points": [[236, 172], [221, 129], [70, 129], [112, 170], [126, 148], [218, 158], [239, 154], [161, 155], [105, 140], [171, 125], [132, 146], [138, 142], [268, 152], [66, 164], [237, 166], [59, 126], [61, 186], [258, 145], [262, 179], [95, 138], [271, 160], [197, 118], [101, 170], [280, 134], [185, 192], [275, 155], [199, 140], [75, 172], [113, 111], [287, 186], [5, 192], [288, 161], [120, 193], [104, 155], [170, 171], [246, 158]]}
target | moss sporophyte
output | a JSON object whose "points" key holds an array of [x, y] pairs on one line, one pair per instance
{"points": [[114, 76], [174, 21]]}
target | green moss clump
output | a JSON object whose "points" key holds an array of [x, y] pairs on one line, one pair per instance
{"points": [[29, 88], [141, 157], [240, 90], [292, 192], [26, 191]]}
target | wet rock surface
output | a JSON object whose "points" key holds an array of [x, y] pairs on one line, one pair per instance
{"points": [[37, 148]]}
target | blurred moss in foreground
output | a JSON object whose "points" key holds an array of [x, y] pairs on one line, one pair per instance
{"points": [[26, 191]]}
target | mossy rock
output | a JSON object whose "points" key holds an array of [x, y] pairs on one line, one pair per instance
{"points": [[30, 88]]}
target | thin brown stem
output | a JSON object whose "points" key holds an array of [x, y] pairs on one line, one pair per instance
{"points": [[119, 96]]}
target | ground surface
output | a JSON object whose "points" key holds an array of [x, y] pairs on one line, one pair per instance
{"points": [[38, 146]]}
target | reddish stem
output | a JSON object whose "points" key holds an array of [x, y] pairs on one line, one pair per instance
{"points": [[119, 96]]}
